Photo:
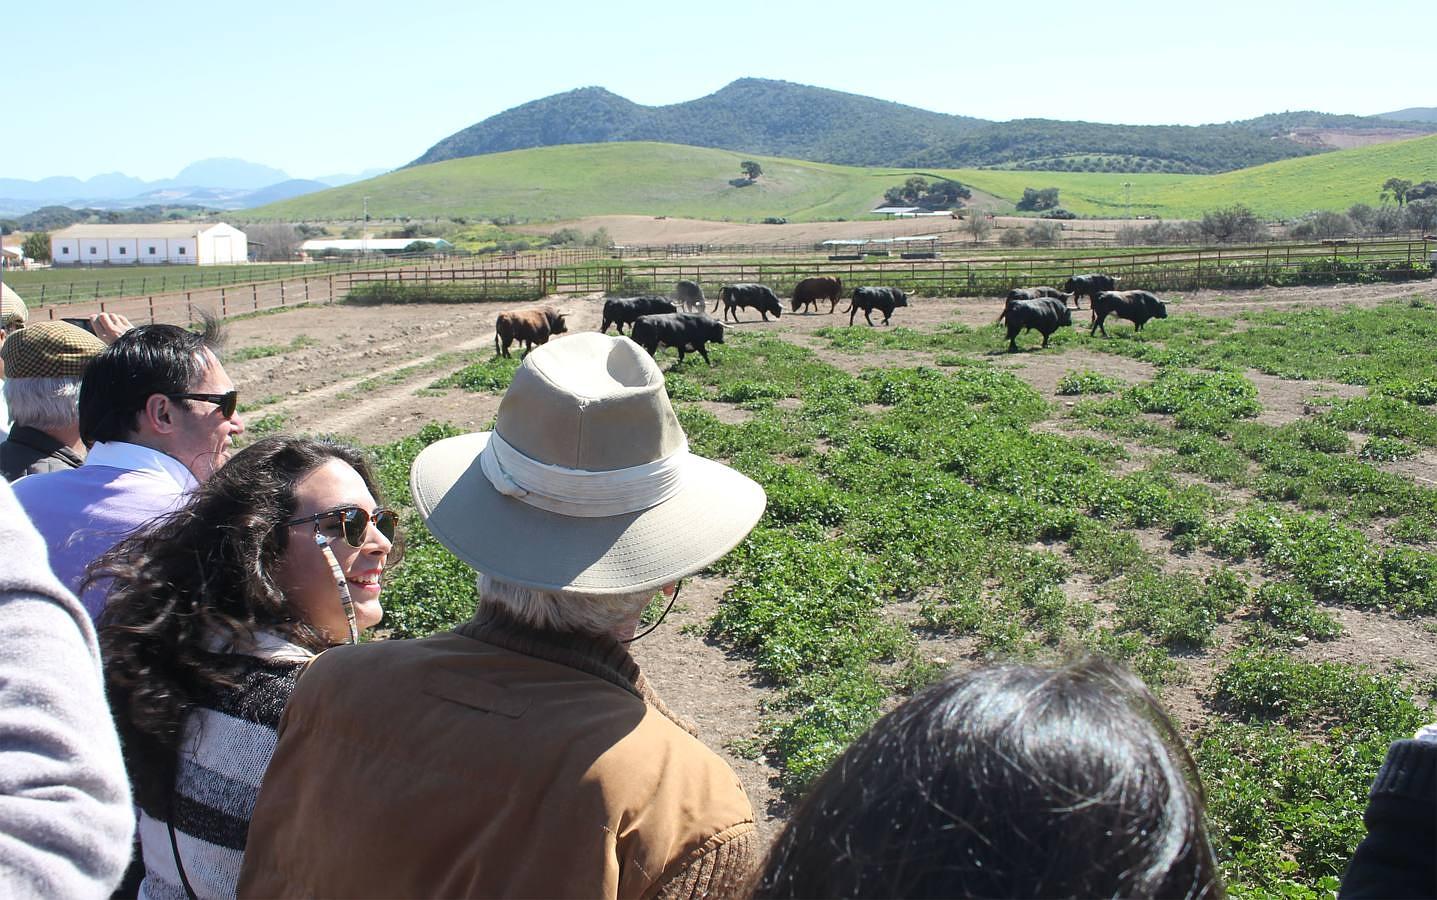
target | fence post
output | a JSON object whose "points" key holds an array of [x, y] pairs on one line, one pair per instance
{"points": [[254, 293], [224, 304], [152, 309], [189, 309]]}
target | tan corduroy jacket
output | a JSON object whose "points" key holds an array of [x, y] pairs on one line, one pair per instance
{"points": [[495, 761]]}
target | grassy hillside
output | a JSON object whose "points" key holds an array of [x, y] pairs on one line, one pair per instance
{"points": [[667, 179], [596, 179]]}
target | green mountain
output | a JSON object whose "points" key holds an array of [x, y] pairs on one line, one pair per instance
{"points": [[551, 183], [779, 118], [1411, 114]]}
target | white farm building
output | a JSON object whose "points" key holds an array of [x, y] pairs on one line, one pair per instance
{"points": [[124, 245]]}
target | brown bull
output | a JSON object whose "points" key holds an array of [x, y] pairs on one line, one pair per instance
{"points": [[532, 327]]}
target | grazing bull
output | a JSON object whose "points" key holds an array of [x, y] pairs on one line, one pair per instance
{"points": [[683, 331], [758, 296], [534, 326], [811, 290], [690, 296], [626, 311], [1033, 293], [1089, 286], [1135, 306], [1042, 314], [883, 299]]}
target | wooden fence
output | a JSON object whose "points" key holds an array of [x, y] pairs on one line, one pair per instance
{"points": [[1186, 269], [582, 271]]}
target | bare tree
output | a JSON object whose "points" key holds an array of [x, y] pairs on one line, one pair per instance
{"points": [[273, 242], [978, 224]]}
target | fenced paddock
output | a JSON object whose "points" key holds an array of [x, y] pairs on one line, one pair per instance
{"points": [[977, 276], [587, 270]]}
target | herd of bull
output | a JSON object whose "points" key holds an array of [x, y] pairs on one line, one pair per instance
{"points": [[686, 324], [1045, 309]]}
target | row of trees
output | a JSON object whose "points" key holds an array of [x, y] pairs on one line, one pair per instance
{"points": [[1403, 191], [919, 191], [1238, 224]]}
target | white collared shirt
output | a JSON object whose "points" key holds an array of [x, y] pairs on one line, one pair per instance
{"points": [[139, 458]]}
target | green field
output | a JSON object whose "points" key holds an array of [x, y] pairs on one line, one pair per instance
{"points": [[912, 507], [66, 284], [553, 183]]}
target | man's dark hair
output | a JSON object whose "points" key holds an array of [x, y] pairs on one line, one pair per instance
{"points": [[142, 362], [1012, 781]]}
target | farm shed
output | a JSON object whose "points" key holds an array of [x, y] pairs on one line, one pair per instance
{"points": [[369, 245], [848, 248], [186, 243]]}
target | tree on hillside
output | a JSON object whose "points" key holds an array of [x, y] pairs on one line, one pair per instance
{"points": [[917, 191], [751, 169], [37, 246], [1230, 224], [1397, 189], [1426, 190], [1033, 200]]}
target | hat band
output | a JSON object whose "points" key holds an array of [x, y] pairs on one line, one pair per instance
{"points": [[578, 492]]}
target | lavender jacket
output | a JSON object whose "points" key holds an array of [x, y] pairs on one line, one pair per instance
{"points": [[65, 817], [82, 513]]}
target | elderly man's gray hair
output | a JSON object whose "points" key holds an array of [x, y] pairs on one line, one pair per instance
{"points": [[49, 404], [563, 610]]}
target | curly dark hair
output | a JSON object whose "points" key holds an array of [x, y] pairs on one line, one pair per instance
{"points": [[1010, 781], [201, 577]]}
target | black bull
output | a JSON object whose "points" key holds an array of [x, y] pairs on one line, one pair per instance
{"points": [[682, 331], [1042, 314]]}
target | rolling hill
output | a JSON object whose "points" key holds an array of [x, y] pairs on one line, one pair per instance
{"points": [[778, 118], [551, 183]]}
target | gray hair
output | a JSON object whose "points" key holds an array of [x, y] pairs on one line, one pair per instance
{"points": [[44, 403], [563, 610]]}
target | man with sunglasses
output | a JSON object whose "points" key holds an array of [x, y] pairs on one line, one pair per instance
{"points": [[158, 412]]}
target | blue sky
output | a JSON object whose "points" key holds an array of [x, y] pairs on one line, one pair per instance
{"points": [[324, 87]]}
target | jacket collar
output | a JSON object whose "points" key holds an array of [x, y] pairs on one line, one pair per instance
{"points": [[42, 442], [139, 458], [598, 655]]}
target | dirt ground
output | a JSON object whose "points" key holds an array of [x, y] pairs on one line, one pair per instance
{"points": [[365, 373]]}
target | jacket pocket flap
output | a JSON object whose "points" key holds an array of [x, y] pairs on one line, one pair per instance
{"points": [[475, 693]]}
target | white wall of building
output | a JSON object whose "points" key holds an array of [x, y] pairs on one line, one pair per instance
{"points": [[220, 244], [88, 251]]}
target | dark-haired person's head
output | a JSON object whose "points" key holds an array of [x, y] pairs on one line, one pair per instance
{"points": [[1012, 781], [163, 387], [236, 561]]}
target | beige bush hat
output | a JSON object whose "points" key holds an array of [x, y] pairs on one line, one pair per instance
{"points": [[586, 483]]}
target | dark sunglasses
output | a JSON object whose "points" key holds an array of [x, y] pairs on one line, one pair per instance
{"points": [[228, 402], [356, 522]]}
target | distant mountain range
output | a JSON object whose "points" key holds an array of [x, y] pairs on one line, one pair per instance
{"points": [[215, 183], [779, 118]]}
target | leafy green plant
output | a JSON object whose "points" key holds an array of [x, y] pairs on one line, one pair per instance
{"points": [[1087, 381]]}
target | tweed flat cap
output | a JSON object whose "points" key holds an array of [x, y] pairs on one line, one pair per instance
{"points": [[49, 350], [12, 308]]}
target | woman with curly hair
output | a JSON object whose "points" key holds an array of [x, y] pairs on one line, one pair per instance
{"points": [[213, 611]]}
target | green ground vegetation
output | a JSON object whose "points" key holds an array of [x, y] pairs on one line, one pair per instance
{"points": [[642, 178], [919, 512]]}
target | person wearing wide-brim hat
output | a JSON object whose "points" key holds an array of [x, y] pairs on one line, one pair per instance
{"points": [[44, 364], [524, 753]]}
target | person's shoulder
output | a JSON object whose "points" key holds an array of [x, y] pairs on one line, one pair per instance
{"points": [[378, 661]]}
